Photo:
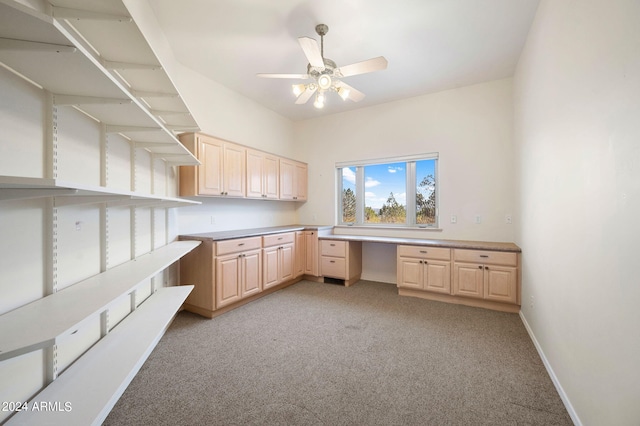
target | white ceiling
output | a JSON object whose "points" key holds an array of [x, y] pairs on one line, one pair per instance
{"points": [[431, 45]]}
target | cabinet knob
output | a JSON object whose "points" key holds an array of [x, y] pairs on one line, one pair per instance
{"points": [[486, 267], [479, 266], [423, 251], [484, 255]]}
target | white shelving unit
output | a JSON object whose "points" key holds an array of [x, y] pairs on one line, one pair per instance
{"points": [[94, 383], [16, 187], [92, 67], [43, 321], [56, 47]]}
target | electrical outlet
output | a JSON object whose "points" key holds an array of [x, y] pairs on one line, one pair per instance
{"points": [[454, 218], [478, 218], [531, 302], [78, 225], [507, 219], [213, 220]]}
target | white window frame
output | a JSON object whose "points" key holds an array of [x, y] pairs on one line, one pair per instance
{"points": [[411, 188]]}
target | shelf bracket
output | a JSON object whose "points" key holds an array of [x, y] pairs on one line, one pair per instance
{"points": [[78, 14], [88, 100], [115, 65], [162, 113], [28, 193], [112, 128], [145, 94], [34, 46]]}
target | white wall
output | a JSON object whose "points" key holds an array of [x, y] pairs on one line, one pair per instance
{"points": [[470, 128], [577, 133], [227, 115]]}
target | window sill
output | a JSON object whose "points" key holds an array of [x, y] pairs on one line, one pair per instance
{"points": [[390, 228]]}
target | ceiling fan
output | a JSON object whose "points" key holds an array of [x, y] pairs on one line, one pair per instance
{"points": [[326, 75]]}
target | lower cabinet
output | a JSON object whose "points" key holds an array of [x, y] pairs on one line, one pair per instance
{"points": [[226, 272], [239, 275], [278, 258], [341, 260], [423, 268], [311, 253], [481, 278], [486, 275]]}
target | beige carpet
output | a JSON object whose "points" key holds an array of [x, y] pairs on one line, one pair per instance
{"points": [[322, 354]]}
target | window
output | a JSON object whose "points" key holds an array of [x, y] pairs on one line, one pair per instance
{"points": [[397, 192]]}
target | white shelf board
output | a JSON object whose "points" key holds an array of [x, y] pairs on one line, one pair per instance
{"points": [[38, 324], [16, 187], [79, 74], [95, 382]]}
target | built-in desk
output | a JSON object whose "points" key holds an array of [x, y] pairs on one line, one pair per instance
{"points": [[474, 273]]}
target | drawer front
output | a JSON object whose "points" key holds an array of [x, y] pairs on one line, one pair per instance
{"points": [[422, 252], [334, 267], [238, 245], [484, 256], [277, 239], [333, 248]]}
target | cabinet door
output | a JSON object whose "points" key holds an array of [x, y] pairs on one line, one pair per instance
{"points": [[287, 173], [410, 272], [286, 262], [500, 283], [251, 273], [437, 276], [270, 176], [299, 250], [227, 280], [211, 155], [255, 173], [300, 182], [234, 170], [270, 267], [468, 280], [311, 253]]}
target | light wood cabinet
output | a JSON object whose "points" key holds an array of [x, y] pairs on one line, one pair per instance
{"points": [[486, 275], [300, 254], [222, 172], [341, 260], [278, 258], [311, 253], [293, 180], [423, 268], [239, 275], [223, 273], [263, 174]]}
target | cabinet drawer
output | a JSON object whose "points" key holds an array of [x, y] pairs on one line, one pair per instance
{"points": [[333, 248], [483, 256], [237, 245], [334, 267], [276, 239], [422, 252]]}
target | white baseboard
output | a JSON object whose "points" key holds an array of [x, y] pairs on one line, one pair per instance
{"points": [[552, 374]]}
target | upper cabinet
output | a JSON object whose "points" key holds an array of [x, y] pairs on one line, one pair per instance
{"points": [[230, 169], [293, 180], [263, 172], [222, 172]]}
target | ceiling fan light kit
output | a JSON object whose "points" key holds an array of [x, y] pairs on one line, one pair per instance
{"points": [[326, 75]]}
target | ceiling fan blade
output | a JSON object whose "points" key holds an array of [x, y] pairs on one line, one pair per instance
{"points": [[311, 51], [354, 94], [305, 96], [298, 76], [370, 65]]}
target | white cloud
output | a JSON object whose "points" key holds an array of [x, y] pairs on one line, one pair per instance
{"points": [[394, 169], [371, 182], [349, 175]]}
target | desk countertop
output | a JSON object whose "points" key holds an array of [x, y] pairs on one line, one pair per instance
{"points": [[325, 233]]}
